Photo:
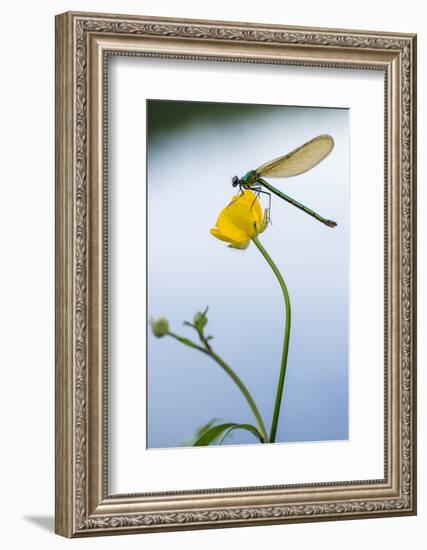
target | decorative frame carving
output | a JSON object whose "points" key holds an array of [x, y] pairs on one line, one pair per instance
{"points": [[83, 42]]}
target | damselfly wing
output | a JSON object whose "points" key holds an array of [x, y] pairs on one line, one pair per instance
{"points": [[301, 160]]}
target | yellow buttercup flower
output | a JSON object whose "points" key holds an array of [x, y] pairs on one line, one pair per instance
{"points": [[241, 220]]}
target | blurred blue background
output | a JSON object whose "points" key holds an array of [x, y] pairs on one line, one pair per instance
{"points": [[194, 149]]}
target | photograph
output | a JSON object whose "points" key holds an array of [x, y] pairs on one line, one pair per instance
{"points": [[247, 273]]}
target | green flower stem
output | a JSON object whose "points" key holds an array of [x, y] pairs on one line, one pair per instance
{"points": [[281, 381], [209, 351]]}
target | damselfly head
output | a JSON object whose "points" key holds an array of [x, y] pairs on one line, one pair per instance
{"points": [[235, 181]]}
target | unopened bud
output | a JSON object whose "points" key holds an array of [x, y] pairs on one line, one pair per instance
{"points": [[160, 327], [200, 320]]}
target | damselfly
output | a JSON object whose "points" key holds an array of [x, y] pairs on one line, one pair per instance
{"points": [[296, 162]]}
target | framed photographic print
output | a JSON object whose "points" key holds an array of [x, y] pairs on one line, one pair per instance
{"points": [[235, 274]]}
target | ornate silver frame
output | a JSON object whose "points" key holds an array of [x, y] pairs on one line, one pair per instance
{"points": [[83, 505]]}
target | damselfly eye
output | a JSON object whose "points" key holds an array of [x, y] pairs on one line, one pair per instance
{"points": [[235, 181]]}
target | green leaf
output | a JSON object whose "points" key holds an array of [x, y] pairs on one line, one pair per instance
{"points": [[199, 432], [248, 427], [213, 433], [205, 427]]}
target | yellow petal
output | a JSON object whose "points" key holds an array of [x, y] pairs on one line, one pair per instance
{"points": [[249, 198], [257, 211], [237, 216], [235, 243], [241, 246]]}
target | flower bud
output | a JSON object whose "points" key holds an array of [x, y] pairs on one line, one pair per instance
{"points": [[160, 327], [200, 320]]}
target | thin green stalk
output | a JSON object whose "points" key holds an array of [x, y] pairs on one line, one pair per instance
{"points": [[282, 374], [209, 351]]}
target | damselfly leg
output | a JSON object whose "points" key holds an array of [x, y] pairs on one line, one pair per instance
{"points": [[257, 191]]}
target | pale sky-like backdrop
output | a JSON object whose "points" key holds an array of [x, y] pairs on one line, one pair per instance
{"points": [[194, 149]]}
